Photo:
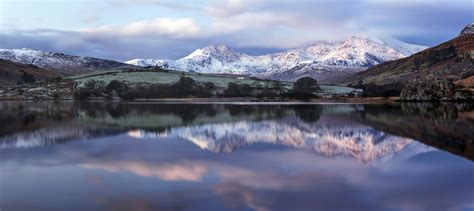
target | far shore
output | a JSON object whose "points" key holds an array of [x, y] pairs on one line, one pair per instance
{"points": [[229, 100]]}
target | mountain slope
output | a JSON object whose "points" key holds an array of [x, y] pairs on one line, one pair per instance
{"points": [[11, 72], [62, 63], [321, 60], [452, 60]]}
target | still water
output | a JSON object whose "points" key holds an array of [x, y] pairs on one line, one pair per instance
{"points": [[165, 156]]}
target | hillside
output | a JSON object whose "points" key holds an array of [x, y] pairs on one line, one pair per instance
{"points": [[62, 63], [11, 73], [453, 60]]}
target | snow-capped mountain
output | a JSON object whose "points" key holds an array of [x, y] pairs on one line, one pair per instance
{"points": [[321, 60], [62, 63]]}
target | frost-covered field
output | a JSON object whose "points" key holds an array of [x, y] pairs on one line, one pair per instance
{"points": [[172, 77], [336, 89], [165, 78]]}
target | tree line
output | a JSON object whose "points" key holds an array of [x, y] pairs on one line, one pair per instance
{"points": [[304, 88]]}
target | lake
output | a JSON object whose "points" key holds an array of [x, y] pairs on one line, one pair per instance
{"points": [[237, 156]]}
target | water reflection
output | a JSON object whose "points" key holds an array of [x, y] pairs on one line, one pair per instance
{"points": [[96, 156]]}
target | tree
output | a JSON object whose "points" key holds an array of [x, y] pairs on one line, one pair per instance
{"points": [[184, 87], [238, 90], [306, 85], [232, 90], [304, 88], [205, 89]]}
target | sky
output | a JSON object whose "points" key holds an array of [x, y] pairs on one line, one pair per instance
{"points": [[170, 29]]}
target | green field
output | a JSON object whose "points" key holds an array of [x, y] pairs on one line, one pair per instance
{"points": [[166, 78], [150, 77]]}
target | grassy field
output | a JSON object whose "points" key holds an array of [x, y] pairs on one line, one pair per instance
{"points": [[167, 78], [151, 77]]}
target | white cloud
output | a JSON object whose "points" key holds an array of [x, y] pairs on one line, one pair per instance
{"points": [[179, 28], [226, 8]]}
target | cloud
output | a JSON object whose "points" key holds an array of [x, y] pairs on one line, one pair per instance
{"points": [[178, 28], [170, 4], [246, 24], [228, 8]]}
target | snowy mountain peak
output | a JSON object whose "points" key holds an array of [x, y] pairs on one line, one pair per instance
{"points": [[360, 52], [221, 53], [469, 29]]}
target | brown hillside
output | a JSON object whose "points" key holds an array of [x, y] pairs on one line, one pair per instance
{"points": [[11, 72], [453, 60]]}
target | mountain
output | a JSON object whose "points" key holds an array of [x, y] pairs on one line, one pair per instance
{"points": [[62, 63], [11, 72], [322, 60], [453, 60]]}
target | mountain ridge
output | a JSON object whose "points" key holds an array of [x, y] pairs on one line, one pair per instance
{"points": [[62, 63], [350, 55]]}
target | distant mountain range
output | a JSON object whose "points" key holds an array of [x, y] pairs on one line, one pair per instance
{"points": [[61, 63], [322, 60], [354, 60]]}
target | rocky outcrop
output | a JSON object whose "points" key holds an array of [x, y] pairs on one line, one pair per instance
{"points": [[434, 90], [469, 29], [45, 90]]}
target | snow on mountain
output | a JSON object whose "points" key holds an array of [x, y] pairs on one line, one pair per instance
{"points": [[319, 60], [360, 52], [221, 52], [469, 29], [404, 48], [147, 62], [62, 63]]}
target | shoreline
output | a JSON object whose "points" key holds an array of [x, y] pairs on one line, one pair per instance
{"points": [[224, 100], [246, 100]]}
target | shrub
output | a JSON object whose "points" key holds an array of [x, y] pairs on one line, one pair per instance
{"points": [[116, 86]]}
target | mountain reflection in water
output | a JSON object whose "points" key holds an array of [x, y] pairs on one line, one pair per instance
{"points": [[149, 156]]}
